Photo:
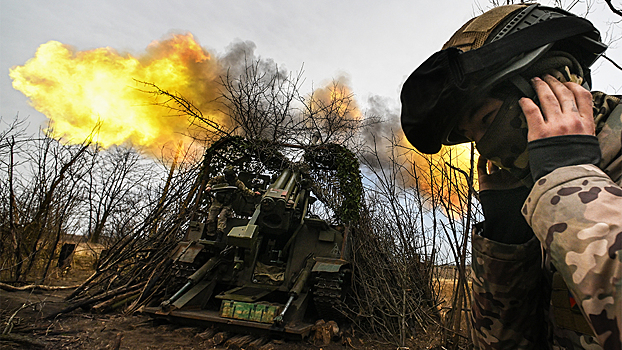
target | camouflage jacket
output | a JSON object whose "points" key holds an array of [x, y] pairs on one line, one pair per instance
{"points": [[562, 289], [226, 198]]}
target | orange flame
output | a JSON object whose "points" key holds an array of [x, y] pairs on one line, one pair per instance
{"points": [[449, 183], [77, 90]]}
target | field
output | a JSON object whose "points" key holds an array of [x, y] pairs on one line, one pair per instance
{"points": [[25, 323]]}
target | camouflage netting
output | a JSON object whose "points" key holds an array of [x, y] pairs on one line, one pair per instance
{"points": [[333, 169], [137, 267], [243, 155], [337, 180]]}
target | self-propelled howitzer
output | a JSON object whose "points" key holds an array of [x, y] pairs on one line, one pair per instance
{"points": [[278, 270]]}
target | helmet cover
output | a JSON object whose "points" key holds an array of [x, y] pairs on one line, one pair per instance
{"points": [[433, 98]]}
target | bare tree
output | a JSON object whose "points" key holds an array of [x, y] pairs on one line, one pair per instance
{"points": [[205, 129], [400, 301], [260, 101], [114, 176], [415, 229], [46, 171], [332, 115]]}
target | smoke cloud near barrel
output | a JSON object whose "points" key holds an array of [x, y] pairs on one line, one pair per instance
{"points": [[99, 94], [392, 149]]}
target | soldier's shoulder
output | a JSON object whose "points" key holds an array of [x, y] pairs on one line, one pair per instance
{"points": [[217, 179], [240, 183]]}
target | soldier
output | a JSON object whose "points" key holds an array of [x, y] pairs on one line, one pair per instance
{"points": [[221, 210], [514, 80]]}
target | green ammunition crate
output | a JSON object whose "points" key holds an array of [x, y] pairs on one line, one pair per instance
{"points": [[257, 312]]}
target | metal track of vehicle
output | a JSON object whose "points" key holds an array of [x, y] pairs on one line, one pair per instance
{"points": [[329, 293]]}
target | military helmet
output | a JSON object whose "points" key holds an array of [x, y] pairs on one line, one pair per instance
{"points": [[492, 49], [230, 174], [229, 170]]}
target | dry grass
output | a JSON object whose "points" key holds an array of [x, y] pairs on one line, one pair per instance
{"points": [[83, 262]]}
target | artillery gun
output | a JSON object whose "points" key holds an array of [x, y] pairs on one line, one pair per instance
{"points": [[277, 268]]}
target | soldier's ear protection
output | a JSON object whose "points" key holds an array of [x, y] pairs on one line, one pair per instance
{"points": [[559, 64], [431, 96]]}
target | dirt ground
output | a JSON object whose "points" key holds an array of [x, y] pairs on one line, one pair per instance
{"points": [[85, 330], [24, 324]]}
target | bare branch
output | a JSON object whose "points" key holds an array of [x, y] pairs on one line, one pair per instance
{"points": [[613, 9]]}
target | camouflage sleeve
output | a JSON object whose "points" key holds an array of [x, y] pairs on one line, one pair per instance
{"points": [[243, 189], [576, 213], [508, 295], [216, 180]]}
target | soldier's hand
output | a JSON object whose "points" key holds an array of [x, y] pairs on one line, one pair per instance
{"points": [[565, 109], [209, 188], [491, 177], [257, 193]]}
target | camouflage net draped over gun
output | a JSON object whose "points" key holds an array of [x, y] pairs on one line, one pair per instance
{"points": [[337, 180], [244, 155], [333, 169], [136, 268]]}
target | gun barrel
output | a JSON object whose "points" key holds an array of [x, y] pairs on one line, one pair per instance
{"points": [[203, 270], [301, 195], [282, 179], [290, 185], [194, 279], [302, 279], [296, 290]]}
